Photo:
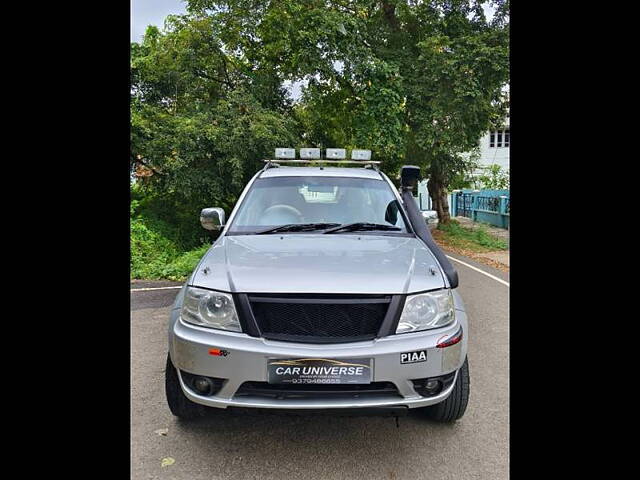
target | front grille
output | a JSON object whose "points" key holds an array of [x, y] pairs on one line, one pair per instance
{"points": [[319, 391], [320, 318]]}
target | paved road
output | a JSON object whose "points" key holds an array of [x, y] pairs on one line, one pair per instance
{"points": [[224, 446]]}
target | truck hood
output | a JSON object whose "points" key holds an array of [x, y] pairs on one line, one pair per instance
{"points": [[317, 263]]}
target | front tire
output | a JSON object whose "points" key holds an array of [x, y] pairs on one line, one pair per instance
{"points": [[455, 405], [179, 404]]}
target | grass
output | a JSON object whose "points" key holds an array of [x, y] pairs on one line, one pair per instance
{"points": [[156, 257], [477, 239]]}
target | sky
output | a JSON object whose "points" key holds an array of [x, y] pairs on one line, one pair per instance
{"points": [[152, 12]]}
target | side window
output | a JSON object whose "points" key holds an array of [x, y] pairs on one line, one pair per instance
{"points": [[391, 214]]}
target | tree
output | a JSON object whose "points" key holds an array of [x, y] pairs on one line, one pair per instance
{"points": [[494, 178], [415, 81], [201, 119]]}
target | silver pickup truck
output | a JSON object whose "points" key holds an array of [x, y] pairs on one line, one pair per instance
{"points": [[323, 292]]}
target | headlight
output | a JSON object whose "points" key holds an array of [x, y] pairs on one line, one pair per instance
{"points": [[210, 309], [427, 310]]}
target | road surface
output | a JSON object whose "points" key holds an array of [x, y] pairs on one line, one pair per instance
{"points": [[225, 446]]}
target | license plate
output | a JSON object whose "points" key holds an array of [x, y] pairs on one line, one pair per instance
{"points": [[319, 370]]}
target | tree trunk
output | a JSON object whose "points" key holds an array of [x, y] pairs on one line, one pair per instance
{"points": [[438, 194]]}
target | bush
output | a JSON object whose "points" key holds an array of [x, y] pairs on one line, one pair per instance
{"points": [[494, 178], [182, 266], [154, 256], [171, 217], [150, 251]]}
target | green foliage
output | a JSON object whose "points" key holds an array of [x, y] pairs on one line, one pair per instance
{"points": [[133, 206], [154, 256], [182, 266], [150, 251], [165, 242], [494, 178], [460, 181], [173, 217], [478, 238], [201, 121]]}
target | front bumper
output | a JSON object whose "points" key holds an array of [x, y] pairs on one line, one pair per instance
{"points": [[247, 356]]}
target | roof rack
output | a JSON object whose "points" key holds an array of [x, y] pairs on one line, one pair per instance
{"points": [[359, 162], [366, 163], [312, 156]]}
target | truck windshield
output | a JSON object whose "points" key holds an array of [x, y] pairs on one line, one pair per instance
{"points": [[326, 201]]}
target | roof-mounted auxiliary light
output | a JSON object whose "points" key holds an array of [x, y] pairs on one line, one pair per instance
{"points": [[336, 153], [313, 156], [310, 153], [285, 153], [360, 154]]}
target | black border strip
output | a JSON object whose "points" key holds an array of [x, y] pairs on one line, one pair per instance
{"points": [[245, 315], [320, 340], [391, 319], [327, 301]]}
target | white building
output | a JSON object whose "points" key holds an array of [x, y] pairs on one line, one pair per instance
{"points": [[494, 148]]}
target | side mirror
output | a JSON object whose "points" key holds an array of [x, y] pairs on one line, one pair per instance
{"points": [[409, 175], [212, 218]]}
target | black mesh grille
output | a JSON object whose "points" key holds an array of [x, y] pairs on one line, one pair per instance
{"points": [[319, 319], [324, 391]]}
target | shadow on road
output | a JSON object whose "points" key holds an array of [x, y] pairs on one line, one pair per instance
{"points": [[324, 445]]}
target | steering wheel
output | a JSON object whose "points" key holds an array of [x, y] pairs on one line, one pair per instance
{"points": [[282, 214]]}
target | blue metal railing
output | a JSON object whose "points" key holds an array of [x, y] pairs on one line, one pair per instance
{"points": [[487, 206]]}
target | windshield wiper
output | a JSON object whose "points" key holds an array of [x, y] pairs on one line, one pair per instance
{"points": [[362, 226], [297, 227]]}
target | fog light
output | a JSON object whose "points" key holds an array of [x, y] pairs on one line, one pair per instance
{"points": [[203, 385], [432, 386], [428, 387], [200, 384]]}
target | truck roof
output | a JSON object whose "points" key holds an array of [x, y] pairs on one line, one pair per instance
{"points": [[321, 172]]}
